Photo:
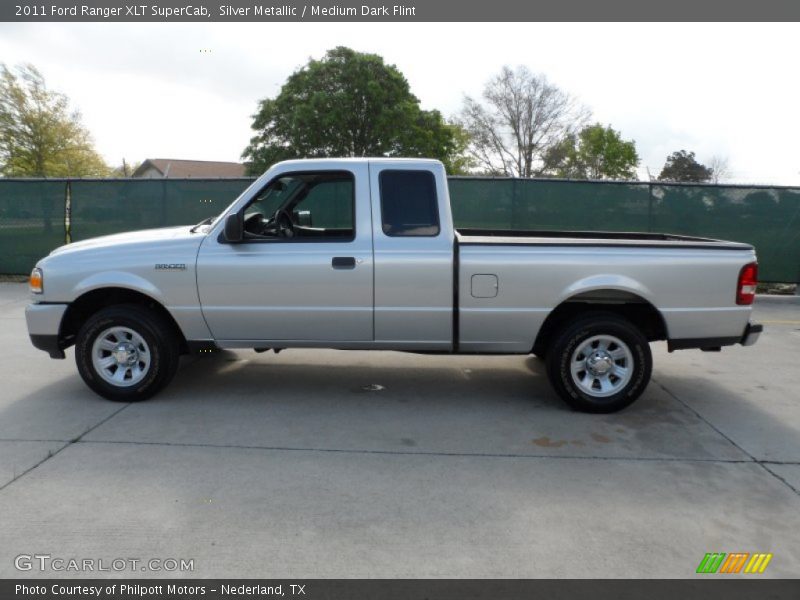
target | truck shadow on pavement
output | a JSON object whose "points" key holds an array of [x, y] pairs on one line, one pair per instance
{"points": [[396, 403], [334, 375]]}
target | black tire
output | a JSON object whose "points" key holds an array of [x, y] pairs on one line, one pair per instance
{"points": [[584, 395], [160, 341]]}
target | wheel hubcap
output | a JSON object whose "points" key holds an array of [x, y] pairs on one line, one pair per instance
{"points": [[601, 365], [125, 353], [121, 356]]}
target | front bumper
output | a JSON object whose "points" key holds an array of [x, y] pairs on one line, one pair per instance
{"points": [[44, 324], [751, 333]]}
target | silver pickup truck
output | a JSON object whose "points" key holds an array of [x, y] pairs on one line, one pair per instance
{"points": [[362, 254]]}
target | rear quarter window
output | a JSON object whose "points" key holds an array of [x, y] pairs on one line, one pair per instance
{"points": [[409, 205]]}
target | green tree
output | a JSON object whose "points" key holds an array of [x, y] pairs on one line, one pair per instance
{"points": [[596, 152], [682, 166], [431, 136], [350, 104], [39, 135]]}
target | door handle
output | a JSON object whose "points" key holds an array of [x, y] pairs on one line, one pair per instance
{"points": [[343, 262]]}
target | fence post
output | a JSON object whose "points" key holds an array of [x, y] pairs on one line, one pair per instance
{"points": [[514, 204], [164, 202], [68, 212]]}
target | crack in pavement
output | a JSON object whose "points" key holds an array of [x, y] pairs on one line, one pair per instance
{"points": [[761, 463], [427, 453], [67, 444], [32, 440], [779, 477]]}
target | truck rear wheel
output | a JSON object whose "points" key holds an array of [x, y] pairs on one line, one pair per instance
{"points": [[126, 353], [599, 363]]}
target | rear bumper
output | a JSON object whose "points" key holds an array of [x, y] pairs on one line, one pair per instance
{"points": [[751, 333], [748, 338], [44, 324]]}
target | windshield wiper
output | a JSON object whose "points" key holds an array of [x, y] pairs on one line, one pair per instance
{"points": [[201, 223]]}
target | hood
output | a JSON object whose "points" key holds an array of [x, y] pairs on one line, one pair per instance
{"points": [[148, 238]]}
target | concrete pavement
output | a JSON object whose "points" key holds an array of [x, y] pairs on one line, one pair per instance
{"points": [[257, 465]]}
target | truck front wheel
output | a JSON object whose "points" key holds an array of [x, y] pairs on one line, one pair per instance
{"points": [[599, 363], [126, 353]]}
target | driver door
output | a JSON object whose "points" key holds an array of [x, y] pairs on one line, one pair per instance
{"points": [[308, 281]]}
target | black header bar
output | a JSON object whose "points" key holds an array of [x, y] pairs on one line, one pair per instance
{"points": [[404, 11]]}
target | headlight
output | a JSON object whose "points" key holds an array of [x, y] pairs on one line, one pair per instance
{"points": [[37, 281]]}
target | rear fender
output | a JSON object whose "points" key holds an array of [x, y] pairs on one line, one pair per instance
{"points": [[619, 283]]}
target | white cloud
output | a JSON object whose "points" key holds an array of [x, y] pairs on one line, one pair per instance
{"points": [[146, 90]]}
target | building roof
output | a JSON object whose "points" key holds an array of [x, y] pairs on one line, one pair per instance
{"points": [[171, 167]]}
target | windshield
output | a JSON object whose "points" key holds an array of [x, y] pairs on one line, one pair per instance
{"points": [[274, 196]]}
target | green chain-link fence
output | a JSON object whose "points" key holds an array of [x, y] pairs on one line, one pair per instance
{"points": [[38, 215], [31, 222], [100, 207]]}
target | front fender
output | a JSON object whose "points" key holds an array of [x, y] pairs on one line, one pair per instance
{"points": [[117, 279]]}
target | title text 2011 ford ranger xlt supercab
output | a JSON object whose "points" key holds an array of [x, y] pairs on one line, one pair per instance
{"points": [[362, 254]]}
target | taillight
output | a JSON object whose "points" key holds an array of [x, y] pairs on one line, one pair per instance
{"points": [[746, 288]]}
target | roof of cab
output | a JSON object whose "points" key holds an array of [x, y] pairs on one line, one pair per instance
{"points": [[361, 159]]}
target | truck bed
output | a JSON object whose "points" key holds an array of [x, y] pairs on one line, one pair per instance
{"points": [[507, 279], [517, 237]]}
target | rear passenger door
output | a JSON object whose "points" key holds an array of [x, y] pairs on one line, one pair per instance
{"points": [[413, 254]]}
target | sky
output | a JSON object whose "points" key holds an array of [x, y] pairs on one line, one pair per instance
{"points": [[184, 90]]}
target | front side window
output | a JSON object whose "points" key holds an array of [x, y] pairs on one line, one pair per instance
{"points": [[304, 206], [409, 205]]}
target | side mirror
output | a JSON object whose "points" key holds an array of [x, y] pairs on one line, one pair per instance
{"points": [[303, 218], [234, 228]]}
